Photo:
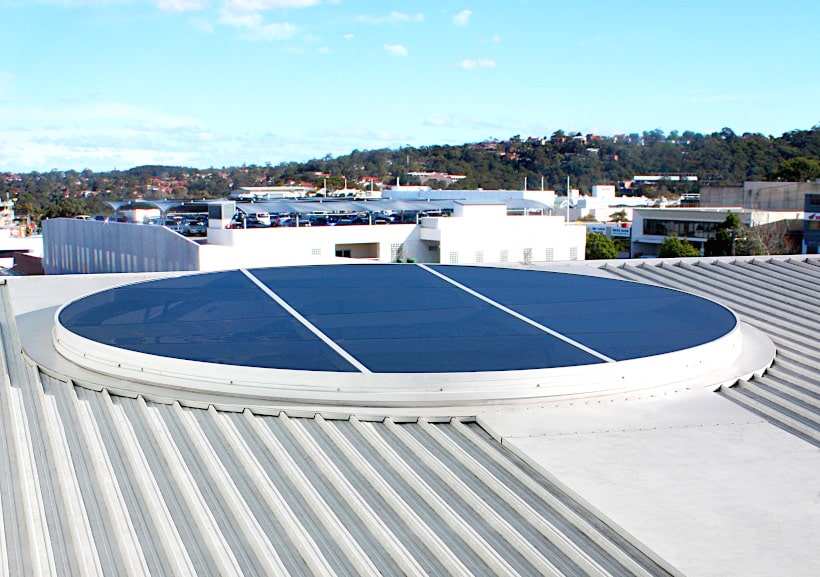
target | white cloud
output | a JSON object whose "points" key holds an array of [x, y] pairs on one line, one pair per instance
{"points": [[202, 25], [473, 64], [438, 120], [254, 27], [348, 36], [392, 18], [260, 5], [181, 5], [93, 113], [462, 18], [480, 126], [396, 49], [343, 139], [99, 136], [78, 3]]}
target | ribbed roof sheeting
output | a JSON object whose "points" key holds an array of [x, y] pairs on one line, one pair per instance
{"points": [[95, 484], [778, 296]]}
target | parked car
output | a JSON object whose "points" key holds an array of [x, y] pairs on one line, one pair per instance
{"points": [[194, 228], [381, 219], [346, 219], [257, 219], [103, 218], [319, 220]]}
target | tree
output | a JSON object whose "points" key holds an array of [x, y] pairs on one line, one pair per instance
{"points": [[65, 207], [798, 169], [622, 244], [619, 216], [558, 136], [600, 247], [750, 245], [673, 247], [731, 238], [774, 238]]}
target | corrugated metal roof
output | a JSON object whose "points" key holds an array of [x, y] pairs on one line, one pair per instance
{"points": [[97, 484], [781, 298]]}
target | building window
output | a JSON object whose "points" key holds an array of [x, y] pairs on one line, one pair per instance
{"points": [[680, 228], [573, 253], [343, 253], [550, 254], [453, 257], [316, 251], [505, 257], [527, 255], [396, 252], [479, 256]]}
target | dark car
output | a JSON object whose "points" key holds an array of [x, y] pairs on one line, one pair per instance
{"points": [[381, 219], [346, 219]]}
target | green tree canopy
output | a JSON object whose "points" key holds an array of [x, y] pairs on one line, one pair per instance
{"points": [[600, 247], [673, 247], [798, 169], [619, 216], [68, 207], [733, 238]]}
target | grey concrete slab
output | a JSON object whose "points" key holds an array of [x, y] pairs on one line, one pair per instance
{"points": [[708, 486]]}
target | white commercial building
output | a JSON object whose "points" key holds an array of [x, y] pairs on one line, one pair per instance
{"points": [[476, 232], [650, 226], [696, 225]]}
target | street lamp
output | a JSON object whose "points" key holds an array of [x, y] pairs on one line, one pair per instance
{"points": [[734, 240]]}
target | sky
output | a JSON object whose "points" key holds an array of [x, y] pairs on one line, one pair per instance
{"points": [[113, 84]]}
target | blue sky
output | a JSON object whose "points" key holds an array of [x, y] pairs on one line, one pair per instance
{"points": [[106, 84]]}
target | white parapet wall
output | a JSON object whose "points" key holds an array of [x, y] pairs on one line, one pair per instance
{"points": [[88, 246], [504, 239], [284, 246]]}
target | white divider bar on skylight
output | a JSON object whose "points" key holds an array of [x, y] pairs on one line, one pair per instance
{"points": [[310, 326], [519, 316]]}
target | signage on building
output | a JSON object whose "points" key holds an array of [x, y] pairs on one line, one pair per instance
{"points": [[596, 228], [620, 232], [814, 216]]}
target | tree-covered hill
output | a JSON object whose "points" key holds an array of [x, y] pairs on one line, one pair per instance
{"points": [[719, 158]]}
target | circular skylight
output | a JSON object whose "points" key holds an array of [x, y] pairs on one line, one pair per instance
{"points": [[300, 326]]}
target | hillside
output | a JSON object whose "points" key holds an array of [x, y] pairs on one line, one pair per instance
{"points": [[718, 158]]}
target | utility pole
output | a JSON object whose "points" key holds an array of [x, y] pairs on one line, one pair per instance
{"points": [[567, 219]]}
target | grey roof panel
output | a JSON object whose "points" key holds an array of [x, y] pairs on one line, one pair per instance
{"points": [[95, 484]]}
